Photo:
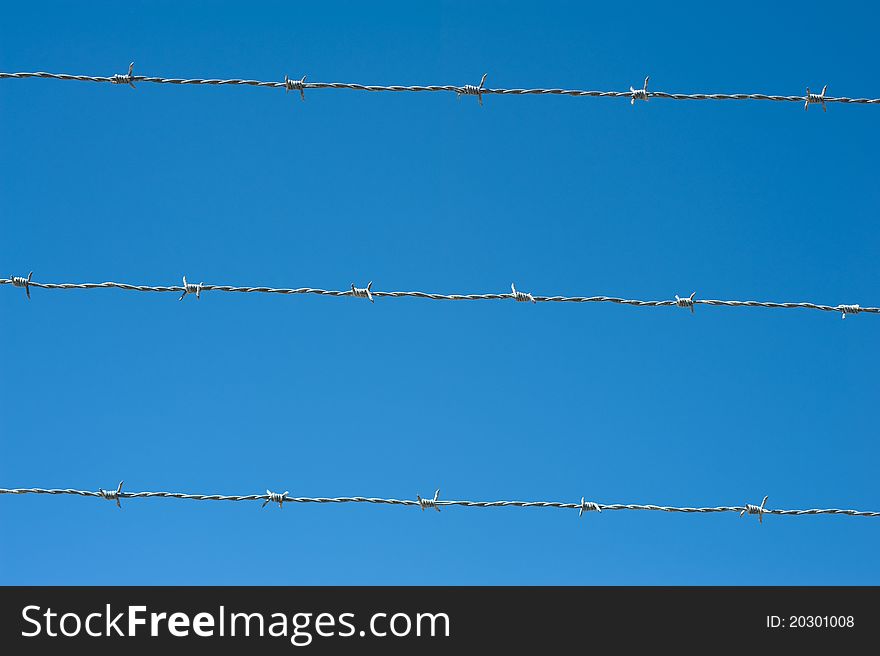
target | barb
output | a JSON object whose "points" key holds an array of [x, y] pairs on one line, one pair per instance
{"points": [[815, 98], [468, 89], [587, 506], [429, 503], [18, 281], [127, 78], [848, 309], [189, 288], [363, 292], [475, 90], [756, 510], [687, 302], [112, 495], [521, 297], [419, 502], [274, 497], [300, 85], [368, 293], [642, 94]]}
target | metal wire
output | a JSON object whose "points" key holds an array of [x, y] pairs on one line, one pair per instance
{"points": [[367, 292], [466, 89], [422, 503]]}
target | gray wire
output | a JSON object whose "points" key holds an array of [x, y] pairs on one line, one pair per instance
{"points": [[117, 494], [190, 288], [467, 89]]}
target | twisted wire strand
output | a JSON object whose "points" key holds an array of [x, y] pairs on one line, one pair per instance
{"points": [[844, 309], [457, 89], [421, 503]]}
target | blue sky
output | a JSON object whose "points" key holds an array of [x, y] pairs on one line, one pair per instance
{"points": [[325, 397]]}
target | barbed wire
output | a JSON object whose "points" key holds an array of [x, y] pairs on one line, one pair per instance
{"points": [[688, 302], [478, 90], [436, 503]]}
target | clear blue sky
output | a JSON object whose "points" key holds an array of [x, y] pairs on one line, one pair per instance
{"points": [[496, 400]]}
